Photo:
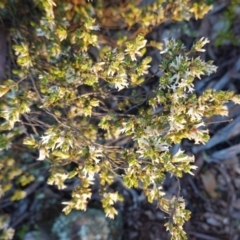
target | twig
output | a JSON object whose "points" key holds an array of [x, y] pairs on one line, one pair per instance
{"points": [[32, 125], [135, 106], [175, 201], [118, 114], [20, 80], [57, 120], [230, 120], [35, 87], [197, 192]]}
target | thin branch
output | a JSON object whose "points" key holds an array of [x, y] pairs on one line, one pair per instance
{"points": [[107, 114], [172, 212], [230, 120], [20, 80], [32, 125], [35, 87], [40, 122]]}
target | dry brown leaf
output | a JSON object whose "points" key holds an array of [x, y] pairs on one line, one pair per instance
{"points": [[209, 183]]}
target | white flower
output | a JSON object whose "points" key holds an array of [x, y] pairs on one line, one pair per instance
{"points": [[152, 131], [121, 81], [174, 125], [51, 3], [49, 9], [161, 147], [89, 176], [175, 76], [190, 88], [111, 212], [58, 179], [180, 156], [95, 154], [200, 44], [193, 167], [195, 115], [166, 41], [12, 115], [134, 50], [98, 67], [9, 233], [46, 138], [43, 153], [113, 197], [210, 69], [155, 142], [197, 135], [81, 204], [177, 63], [58, 143], [111, 70], [204, 41]]}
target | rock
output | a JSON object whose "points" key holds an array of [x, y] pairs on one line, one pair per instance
{"points": [[89, 225]]}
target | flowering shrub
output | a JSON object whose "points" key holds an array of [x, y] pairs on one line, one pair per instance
{"points": [[74, 94]]}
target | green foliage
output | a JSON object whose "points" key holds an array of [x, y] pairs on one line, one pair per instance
{"points": [[75, 107], [227, 35]]}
